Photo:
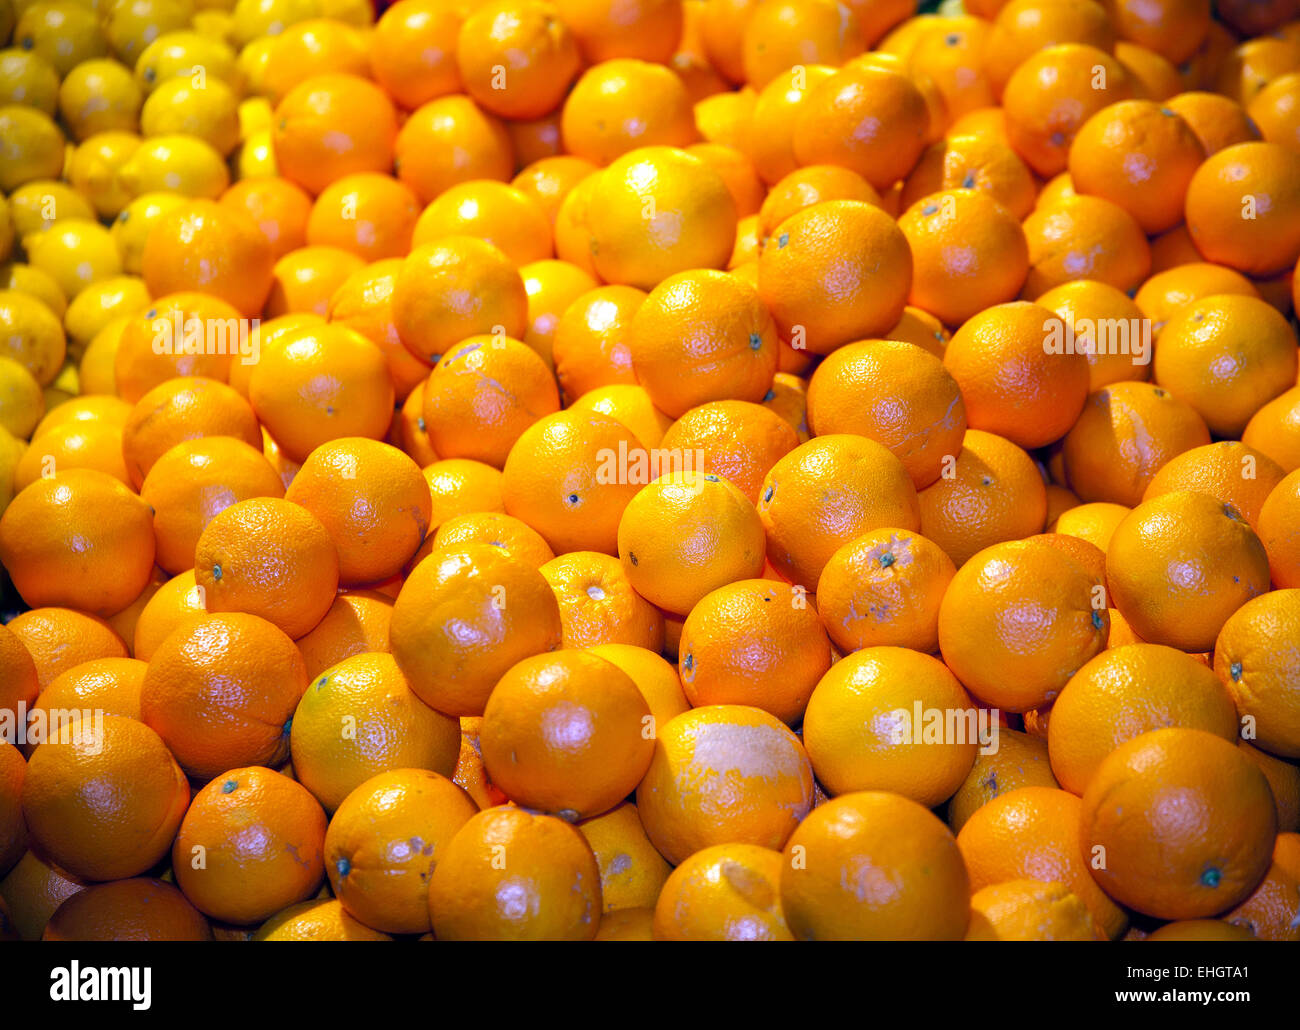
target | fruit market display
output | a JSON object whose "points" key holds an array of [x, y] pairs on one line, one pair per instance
{"points": [[649, 470]]}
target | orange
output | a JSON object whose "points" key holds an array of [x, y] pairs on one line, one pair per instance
{"points": [[1108, 328], [483, 394], [138, 909], [656, 678], [74, 445], [1174, 248], [724, 774], [648, 29], [1124, 692], [363, 302], [453, 289], [685, 534], [1093, 522], [737, 171], [268, 557], [551, 286], [1245, 69], [833, 891], [413, 51], [13, 768], [504, 611], [862, 731], [1274, 110], [1255, 661], [1022, 28], [1020, 760], [1274, 430], [179, 410], [1228, 471], [632, 872], [551, 876], [978, 163], [1083, 237], [210, 248], [1017, 377], [384, 841], [1200, 930], [33, 891], [990, 491], [738, 440], [1052, 94], [1033, 833], [568, 734], [278, 208], [1283, 779], [807, 186], [316, 920], [1017, 620], [139, 365], [1166, 293], [369, 214], [356, 623], [780, 34], [268, 334], [1026, 910], [391, 728], [1226, 356], [702, 336], [1125, 433], [884, 588], [320, 383], [867, 118], [777, 110], [622, 104], [1243, 208], [1217, 121], [18, 680], [1140, 156], [314, 47], [104, 802], [951, 57], [598, 605], [108, 684], [968, 253], [251, 844], [459, 486], [657, 211], [79, 539], [516, 59], [1185, 820], [572, 225], [1180, 564], [1269, 913], [306, 279], [549, 180], [1176, 29], [833, 273], [562, 477], [591, 343], [373, 502], [175, 601], [536, 139], [221, 691], [729, 892], [58, 639], [449, 140], [495, 212], [333, 125], [754, 642]]}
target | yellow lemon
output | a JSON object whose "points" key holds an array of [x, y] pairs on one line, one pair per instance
{"points": [[255, 115], [26, 279], [7, 19], [93, 170], [256, 158], [21, 402], [100, 96], [31, 146], [108, 409], [76, 252], [131, 226], [355, 12], [254, 62], [6, 232], [98, 365], [65, 387], [31, 335], [100, 303], [217, 25], [254, 18], [12, 450], [61, 31], [131, 25], [208, 111], [177, 54], [27, 78], [315, 47], [40, 203], [176, 164]]}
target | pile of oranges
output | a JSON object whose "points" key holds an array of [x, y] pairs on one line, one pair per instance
{"points": [[650, 469]]}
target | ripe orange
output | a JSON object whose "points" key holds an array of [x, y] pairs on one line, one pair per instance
{"points": [[513, 536], [598, 605], [1279, 531], [1108, 329], [1022, 28], [656, 678], [621, 104], [1026, 910], [729, 892], [1255, 662], [1084, 237], [516, 59], [632, 872], [369, 214], [724, 774], [249, 846], [779, 34], [1185, 820], [356, 623], [271, 558], [832, 891], [413, 51], [1021, 760], [58, 639], [138, 909], [1274, 430], [1228, 471], [333, 125], [449, 140], [316, 920], [279, 209], [364, 302]]}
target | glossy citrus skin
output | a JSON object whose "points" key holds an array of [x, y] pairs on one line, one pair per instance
{"points": [[726, 892], [632, 872], [139, 909], [1026, 910], [1254, 663], [316, 920]]}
